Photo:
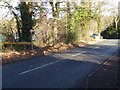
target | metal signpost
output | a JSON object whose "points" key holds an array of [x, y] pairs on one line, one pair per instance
{"points": [[31, 31]]}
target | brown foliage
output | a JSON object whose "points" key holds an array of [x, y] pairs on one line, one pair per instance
{"points": [[12, 56]]}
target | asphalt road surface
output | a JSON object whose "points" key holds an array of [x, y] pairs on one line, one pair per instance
{"points": [[107, 76], [67, 69]]}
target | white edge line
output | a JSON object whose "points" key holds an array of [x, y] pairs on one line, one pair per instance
{"points": [[37, 68]]}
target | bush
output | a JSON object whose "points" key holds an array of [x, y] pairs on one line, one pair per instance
{"points": [[72, 36]]}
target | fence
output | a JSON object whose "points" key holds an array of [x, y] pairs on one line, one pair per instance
{"points": [[21, 45]]}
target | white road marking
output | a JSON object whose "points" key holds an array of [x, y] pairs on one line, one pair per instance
{"points": [[78, 54], [37, 68], [95, 48]]}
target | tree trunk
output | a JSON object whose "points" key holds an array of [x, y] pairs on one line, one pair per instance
{"points": [[68, 21], [18, 26], [116, 23], [55, 13], [26, 20]]}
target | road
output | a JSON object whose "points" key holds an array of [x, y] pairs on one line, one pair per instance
{"points": [[67, 69], [107, 76]]}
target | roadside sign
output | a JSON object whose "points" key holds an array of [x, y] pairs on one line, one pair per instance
{"points": [[31, 31], [1, 39], [91, 33]]}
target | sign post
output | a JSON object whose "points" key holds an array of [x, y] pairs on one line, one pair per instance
{"points": [[31, 31]]}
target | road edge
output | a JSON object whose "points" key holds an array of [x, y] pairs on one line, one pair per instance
{"points": [[95, 70]]}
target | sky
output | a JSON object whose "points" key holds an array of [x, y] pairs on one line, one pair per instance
{"points": [[4, 11]]}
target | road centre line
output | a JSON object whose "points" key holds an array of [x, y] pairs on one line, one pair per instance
{"points": [[38, 68], [84, 52], [95, 47], [50, 63], [78, 54]]}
